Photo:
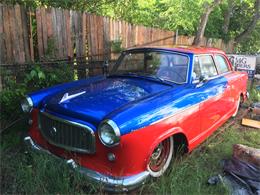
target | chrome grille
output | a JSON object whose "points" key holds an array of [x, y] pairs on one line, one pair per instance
{"points": [[67, 134]]}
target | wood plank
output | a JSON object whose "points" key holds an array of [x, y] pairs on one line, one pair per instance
{"points": [[101, 38], [96, 37], [83, 31], [39, 33], [76, 31], [64, 36], [96, 22], [48, 13], [111, 29], [93, 36], [88, 33], [7, 35], [54, 32], [72, 31], [2, 46], [68, 33], [25, 34], [31, 37], [106, 33], [123, 34], [58, 31], [251, 123], [247, 154], [19, 33], [14, 38], [44, 31]]}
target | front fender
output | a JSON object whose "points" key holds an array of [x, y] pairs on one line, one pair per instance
{"points": [[166, 134]]}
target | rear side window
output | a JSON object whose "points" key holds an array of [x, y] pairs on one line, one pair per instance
{"points": [[208, 67], [222, 64]]}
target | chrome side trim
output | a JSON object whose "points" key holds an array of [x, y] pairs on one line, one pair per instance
{"points": [[86, 128], [110, 183]]}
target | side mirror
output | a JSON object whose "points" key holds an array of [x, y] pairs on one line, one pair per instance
{"points": [[105, 66], [202, 79]]}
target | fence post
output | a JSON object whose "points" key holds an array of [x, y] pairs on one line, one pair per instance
{"points": [[175, 37], [31, 36]]}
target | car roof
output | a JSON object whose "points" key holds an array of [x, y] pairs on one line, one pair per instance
{"points": [[184, 49]]}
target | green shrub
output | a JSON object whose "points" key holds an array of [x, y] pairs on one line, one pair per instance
{"points": [[116, 46], [36, 78]]}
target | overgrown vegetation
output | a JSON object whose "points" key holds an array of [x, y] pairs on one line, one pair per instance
{"points": [[116, 45], [28, 172], [16, 87]]}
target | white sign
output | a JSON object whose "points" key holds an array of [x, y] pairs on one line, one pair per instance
{"points": [[244, 63]]}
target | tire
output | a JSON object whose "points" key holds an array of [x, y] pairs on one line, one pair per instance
{"points": [[237, 107], [161, 158]]}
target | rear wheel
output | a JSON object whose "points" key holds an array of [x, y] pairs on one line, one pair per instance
{"points": [[161, 158]]}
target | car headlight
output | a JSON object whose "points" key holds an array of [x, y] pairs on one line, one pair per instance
{"points": [[109, 133], [27, 104]]}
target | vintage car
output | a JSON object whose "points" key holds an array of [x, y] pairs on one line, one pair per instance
{"points": [[124, 127]]}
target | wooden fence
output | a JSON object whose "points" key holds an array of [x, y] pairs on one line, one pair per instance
{"points": [[51, 33]]}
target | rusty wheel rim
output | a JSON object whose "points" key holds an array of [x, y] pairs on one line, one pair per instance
{"points": [[160, 155]]}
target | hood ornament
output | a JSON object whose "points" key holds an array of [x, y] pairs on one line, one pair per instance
{"points": [[66, 96]]}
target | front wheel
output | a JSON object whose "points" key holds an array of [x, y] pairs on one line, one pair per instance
{"points": [[161, 158]]}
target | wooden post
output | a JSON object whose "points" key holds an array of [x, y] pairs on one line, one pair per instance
{"points": [[176, 37], [31, 36]]}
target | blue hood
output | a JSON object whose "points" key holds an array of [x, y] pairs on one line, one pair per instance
{"points": [[94, 101]]}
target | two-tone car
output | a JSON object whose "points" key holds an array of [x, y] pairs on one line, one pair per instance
{"points": [[124, 127]]}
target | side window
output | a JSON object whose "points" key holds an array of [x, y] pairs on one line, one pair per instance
{"points": [[196, 69], [207, 66], [222, 64]]}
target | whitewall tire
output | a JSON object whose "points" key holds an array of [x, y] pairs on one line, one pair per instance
{"points": [[161, 158]]}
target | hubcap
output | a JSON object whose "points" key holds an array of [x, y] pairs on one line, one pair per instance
{"points": [[160, 155]]}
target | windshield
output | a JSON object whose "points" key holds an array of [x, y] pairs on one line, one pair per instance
{"points": [[158, 64]]}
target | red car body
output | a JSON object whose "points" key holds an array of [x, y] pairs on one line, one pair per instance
{"points": [[133, 153]]}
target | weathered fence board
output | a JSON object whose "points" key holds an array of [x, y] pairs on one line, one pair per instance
{"points": [[2, 49], [14, 40], [64, 34]]}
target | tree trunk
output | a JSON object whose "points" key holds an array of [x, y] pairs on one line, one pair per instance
{"points": [[251, 25], [227, 16], [203, 21], [247, 154]]}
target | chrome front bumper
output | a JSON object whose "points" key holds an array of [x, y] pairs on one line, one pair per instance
{"points": [[114, 184]]}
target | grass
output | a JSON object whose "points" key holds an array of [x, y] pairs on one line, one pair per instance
{"points": [[189, 175], [30, 173]]}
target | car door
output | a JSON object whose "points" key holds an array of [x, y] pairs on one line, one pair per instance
{"points": [[232, 93], [211, 93]]}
